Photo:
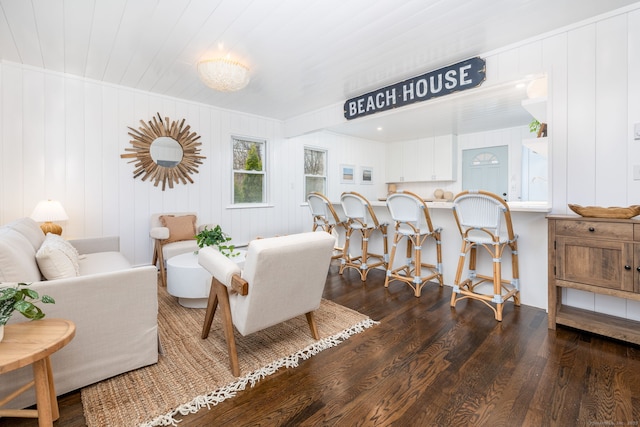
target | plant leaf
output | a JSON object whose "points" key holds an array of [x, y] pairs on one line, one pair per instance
{"points": [[29, 310], [48, 300], [29, 293], [7, 293]]}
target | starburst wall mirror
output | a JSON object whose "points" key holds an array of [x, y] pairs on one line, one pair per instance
{"points": [[164, 151]]}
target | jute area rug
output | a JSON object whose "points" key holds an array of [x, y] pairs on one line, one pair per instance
{"points": [[193, 373]]}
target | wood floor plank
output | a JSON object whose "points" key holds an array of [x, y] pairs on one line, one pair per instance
{"points": [[428, 364]]}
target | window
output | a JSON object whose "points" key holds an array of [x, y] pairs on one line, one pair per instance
{"points": [[315, 171], [249, 177]]}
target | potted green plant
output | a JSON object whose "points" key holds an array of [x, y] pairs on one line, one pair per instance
{"points": [[217, 238], [540, 129], [21, 299]]}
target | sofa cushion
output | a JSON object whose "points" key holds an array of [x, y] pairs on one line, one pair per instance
{"points": [[102, 262], [57, 258], [29, 229], [180, 227], [17, 258]]}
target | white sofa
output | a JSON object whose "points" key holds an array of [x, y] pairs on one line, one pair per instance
{"points": [[113, 305]]}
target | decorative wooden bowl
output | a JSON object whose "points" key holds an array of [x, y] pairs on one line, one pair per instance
{"points": [[611, 212]]}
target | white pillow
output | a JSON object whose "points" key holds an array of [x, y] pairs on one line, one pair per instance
{"points": [[57, 258]]}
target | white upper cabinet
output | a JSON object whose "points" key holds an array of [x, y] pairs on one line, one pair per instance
{"points": [[420, 160], [444, 160]]}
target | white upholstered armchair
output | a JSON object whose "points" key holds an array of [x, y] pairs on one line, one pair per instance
{"points": [[283, 277]]}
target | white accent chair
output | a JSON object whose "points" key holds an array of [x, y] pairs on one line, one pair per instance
{"points": [[413, 223], [326, 218], [165, 247], [283, 277], [484, 221], [362, 219]]}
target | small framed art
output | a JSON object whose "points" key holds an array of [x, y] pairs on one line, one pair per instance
{"points": [[366, 175], [347, 174]]}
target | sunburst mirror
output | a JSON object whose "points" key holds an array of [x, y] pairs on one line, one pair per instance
{"points": [[164, 151]]}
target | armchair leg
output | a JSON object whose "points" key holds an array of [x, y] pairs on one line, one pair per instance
{"points": [[312, 325], [212, 305], [219, 295]]}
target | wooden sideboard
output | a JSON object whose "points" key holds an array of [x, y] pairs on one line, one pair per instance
{"points": [[595, 255]]}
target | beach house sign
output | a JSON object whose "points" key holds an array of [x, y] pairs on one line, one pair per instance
{"points": [[444, 81]]}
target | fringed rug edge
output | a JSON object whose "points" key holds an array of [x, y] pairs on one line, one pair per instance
{"points": [[252, 378]]}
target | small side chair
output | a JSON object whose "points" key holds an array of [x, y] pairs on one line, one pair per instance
{"points": [[173, 233], [484, 222], [362, 219], [326, 218], [413, 224]]}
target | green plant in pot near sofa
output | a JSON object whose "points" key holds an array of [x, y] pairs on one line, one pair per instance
{"points": [[217, 238], [21, 299]]}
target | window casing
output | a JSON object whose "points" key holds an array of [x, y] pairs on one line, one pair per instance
{"points": [[249, 170], [315, 171]]}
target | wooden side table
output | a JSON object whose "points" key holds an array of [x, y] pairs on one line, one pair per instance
{"points": [[31, 343]]}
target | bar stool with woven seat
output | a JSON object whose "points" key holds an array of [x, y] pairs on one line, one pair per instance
{"points": [[484, 221], [362, 219], [326, 218], [413, 222]]}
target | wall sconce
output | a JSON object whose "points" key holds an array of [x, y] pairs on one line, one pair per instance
{"points": [[47, 211]]}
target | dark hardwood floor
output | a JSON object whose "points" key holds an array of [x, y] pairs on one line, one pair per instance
{"points": [[426, 364]]}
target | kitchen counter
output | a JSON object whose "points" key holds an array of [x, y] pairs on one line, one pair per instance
{"points": [[513, 206]]}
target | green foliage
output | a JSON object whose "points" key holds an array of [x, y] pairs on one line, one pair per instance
{"points": [[218, 238], [248, 187], [253, 159], [250, 190], [22, 300], [534, 126]]}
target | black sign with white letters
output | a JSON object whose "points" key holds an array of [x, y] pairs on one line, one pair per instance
{"points": [[454, 78]]}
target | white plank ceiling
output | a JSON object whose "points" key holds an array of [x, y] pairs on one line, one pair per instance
{"points": [[303, 54]]}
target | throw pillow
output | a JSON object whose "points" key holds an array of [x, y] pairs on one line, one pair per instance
{"points": [[57, 258], [180, 227]]}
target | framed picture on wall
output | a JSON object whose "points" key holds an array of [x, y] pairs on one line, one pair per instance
{"points": [[366, 175], [347, 174]]}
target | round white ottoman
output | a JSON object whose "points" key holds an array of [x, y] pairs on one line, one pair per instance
{"points": [[188, 281]]}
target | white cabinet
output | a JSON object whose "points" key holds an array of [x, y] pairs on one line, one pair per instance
{"points": [[427, 159], [444, 159], [413, 153], [538, 145], [394, 162]]}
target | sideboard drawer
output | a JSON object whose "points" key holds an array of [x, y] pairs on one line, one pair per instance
{"points": [[595, 229]]}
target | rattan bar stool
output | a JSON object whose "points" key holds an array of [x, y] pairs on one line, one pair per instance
{"points": [[484, 221], [326, 218], [362, 219], [413, 223]]}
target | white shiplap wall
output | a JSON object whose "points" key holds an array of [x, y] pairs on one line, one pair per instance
{"points": [[62, 136]]}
